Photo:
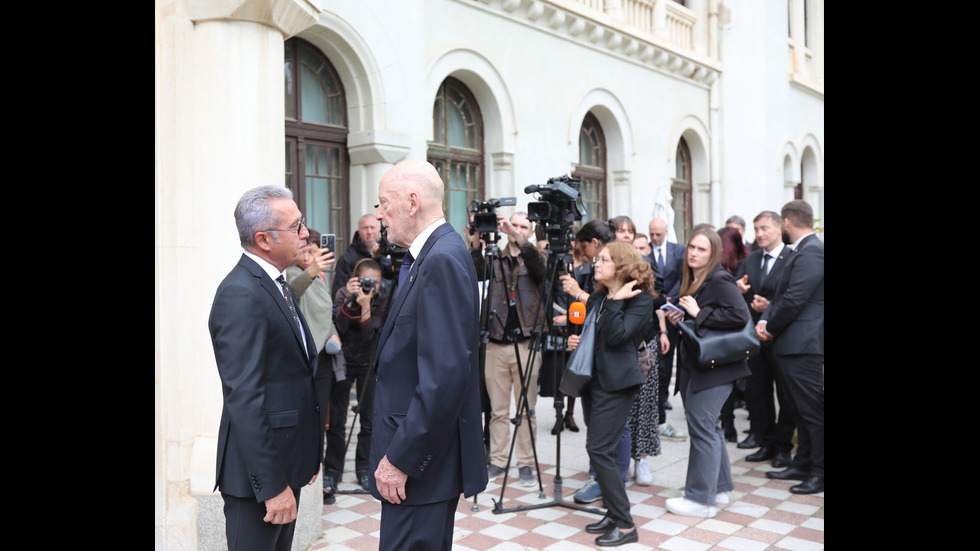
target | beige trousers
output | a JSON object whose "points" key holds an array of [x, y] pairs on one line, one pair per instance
{"points": [[503, 381]]}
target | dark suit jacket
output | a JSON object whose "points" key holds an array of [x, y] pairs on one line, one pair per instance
{"points": [[427, 416], [271, 431], [673, 264], [752, 266], [619, 332], [795, 314], [722, 307]]}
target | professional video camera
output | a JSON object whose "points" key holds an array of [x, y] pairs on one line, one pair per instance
{"points": [[485, 214], [560, 206], [560, 202]]}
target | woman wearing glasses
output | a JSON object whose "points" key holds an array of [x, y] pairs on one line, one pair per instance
{"points": [[623, 306]]}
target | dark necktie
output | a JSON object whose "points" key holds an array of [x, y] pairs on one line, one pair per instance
{"points": [[660, 260], [765, 265], [287, 293], [406, 267]]}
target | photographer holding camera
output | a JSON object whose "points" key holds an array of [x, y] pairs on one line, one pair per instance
{"points": [[518, 270], [358, 320]]}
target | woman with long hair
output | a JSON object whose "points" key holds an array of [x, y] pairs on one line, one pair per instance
{"points": [[708, 295], [623, 304]]}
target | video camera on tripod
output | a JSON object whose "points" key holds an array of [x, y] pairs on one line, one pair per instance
{"points": [[559, 207], [485, 214]]}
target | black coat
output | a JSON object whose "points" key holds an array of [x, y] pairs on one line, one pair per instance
{"points": [[619, 332], [722, 307]]}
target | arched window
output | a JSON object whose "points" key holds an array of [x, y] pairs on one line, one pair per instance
{"points": [[456, 149], [591, 169], [680, 189], [317, 164]]}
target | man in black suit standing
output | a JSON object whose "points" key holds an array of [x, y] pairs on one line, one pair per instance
{"points": [[668, 258], [270, 440], [756, 277], [427, 445], [794, 323]]}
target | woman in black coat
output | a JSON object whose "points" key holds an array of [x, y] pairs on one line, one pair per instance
{"points": [[623, 305], [708, 295]]}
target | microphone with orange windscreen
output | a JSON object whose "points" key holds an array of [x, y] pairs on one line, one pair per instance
{"points": [[576, 315]]}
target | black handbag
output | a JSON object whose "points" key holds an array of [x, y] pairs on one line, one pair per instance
{"points": [[719, 346]]}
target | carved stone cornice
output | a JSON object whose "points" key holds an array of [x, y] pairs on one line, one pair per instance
{"points": [[572, 21], [288, 16]]}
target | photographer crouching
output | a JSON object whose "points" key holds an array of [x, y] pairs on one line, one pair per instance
{"points": [[517, 272], [362, 302]]}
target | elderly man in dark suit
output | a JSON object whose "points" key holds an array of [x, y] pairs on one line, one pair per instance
{"points": [[667, 258], [270, 440], [794, 323], [427, 445], [756, 277]]}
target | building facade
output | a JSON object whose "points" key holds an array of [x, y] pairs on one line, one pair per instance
{"points": [[715, 107]]}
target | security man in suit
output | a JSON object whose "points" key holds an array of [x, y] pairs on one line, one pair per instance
{"points": [[427, 443], [794, 322], [270, 440], [668, 259], [756, 277]]}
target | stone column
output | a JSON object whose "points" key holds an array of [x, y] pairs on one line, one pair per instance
{"points": [[219, 115]]}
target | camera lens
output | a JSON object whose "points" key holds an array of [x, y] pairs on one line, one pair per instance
{"points": [[366, 284]]}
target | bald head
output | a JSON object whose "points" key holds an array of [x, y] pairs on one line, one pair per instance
{"points": [[658, 231], [410, 198]]}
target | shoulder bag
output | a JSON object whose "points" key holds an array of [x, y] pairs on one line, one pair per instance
{"points": [[719, 346], [578, 370]]}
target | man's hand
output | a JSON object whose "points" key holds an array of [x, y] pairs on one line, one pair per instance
{"points": [[282, 508], [391, 481], [760, 330], [743, 283], [759, 303]]}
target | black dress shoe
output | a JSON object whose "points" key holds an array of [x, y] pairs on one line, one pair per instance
{"points": [[781, 460], [558, 426], [731, 435], [570, 422], [616, 537], [601, 527], [811, 485], [668, 406], [790, 473], [750, 442], [765, 453]]}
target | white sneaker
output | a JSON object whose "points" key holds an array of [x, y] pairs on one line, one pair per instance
{"points": [[720, 499], [685, 507], [643, 476]]}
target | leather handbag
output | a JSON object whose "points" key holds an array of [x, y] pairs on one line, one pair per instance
{"points": [[578, 370], [719, 346]]}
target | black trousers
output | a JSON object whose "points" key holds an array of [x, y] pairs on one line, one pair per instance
{"points": [[333, 461], [246, 531], [803, 375], [608, 414], [665, 368], [426, 527], [775, 429]]}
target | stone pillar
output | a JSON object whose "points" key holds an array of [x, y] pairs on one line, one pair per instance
{"points": [[218, 131]]}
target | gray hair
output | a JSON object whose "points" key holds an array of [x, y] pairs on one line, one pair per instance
{"points": [[253, 213]]}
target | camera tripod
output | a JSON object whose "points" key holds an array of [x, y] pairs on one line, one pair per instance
{"points": [[559, 261]]}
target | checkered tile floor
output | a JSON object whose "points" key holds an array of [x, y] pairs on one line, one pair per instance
{"points": [[763, 513]]}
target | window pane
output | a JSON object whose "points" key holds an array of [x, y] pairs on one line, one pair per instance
{"points": [[290, 85], [317, 191], [314, 101], [289, 167]]}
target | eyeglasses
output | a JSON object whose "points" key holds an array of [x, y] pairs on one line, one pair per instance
{"points": [[297, 229]]}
